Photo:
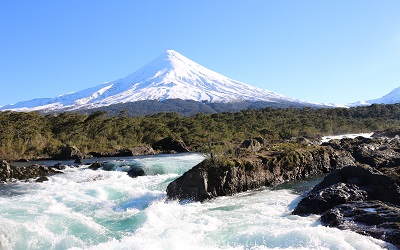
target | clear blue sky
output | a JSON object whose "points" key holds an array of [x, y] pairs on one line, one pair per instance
{"points": [[337, 51]]}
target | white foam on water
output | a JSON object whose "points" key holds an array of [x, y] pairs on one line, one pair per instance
{"points": [[85, 209], [338, 137]]}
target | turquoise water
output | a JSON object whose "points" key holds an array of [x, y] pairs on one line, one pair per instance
{"points": [[85, 209]]}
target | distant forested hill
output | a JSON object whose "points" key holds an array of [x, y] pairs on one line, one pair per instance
{"points": [[31, 135], [188, 107]]}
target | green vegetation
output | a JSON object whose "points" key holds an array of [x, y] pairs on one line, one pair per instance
{"points": [[32, 135]]}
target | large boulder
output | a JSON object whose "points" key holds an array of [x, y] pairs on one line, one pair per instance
{"points": [[169, 145], [136, 171], [67, 153]]}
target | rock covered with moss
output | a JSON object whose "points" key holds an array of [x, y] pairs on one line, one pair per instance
{"points": [[212, 178]]}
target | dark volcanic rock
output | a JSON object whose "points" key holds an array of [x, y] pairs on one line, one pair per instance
{"points": [[377, 185], [42, 179], [95, 166], [357, 198], [78, 161], [135, 172], [391, 133], [319, 201], [375, 152], [10, 173], [374, 218], [59, 166], [67, 153], [211, 178], [170, 145]]}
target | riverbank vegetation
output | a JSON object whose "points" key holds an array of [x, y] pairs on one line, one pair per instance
{"points": [[33, 135]]}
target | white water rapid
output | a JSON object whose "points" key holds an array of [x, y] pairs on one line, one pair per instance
{"points": [[86, 209]]}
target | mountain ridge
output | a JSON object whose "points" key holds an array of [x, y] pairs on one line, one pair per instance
{"points": [[391, 98]]}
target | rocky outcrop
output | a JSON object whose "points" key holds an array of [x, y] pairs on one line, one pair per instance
{"points": [[390, 133], [318, 201], [212, 178], [10, 173], [375, 152], [357, 198], [170, 145], [351, 183], [375, 218]]}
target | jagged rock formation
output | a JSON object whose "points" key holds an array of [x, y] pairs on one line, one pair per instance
{"points": [[375, 152], [374, 218], [9, 173], [351, 183], [358, 198], [213, 178]]}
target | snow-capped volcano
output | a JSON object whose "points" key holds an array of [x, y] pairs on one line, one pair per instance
{"points": [[391, 98], [169, 76]]}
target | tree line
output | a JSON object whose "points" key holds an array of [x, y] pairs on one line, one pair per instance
{"points": [[33, 135]]}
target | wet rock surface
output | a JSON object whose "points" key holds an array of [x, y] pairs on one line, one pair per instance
{"points": [[374, 218], [135, 172], [357, 198], [9, 173]]}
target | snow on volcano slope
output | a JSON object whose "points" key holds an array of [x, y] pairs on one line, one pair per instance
{"points": [[169, 76], [391, 98]]}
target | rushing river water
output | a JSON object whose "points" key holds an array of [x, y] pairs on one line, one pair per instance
{"points": [[85, 209]]}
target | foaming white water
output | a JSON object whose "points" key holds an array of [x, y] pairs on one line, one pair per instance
{"points": [[332, 137], [85, 209]]}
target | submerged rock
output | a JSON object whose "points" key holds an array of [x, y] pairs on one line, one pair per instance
{"points": [[95, 166], [42, 179], [135, 172]]}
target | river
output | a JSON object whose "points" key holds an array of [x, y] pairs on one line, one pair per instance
{"points": [[86, 209]]}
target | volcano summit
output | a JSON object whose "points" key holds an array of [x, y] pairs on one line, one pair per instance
{"points": [[169, 76]]}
